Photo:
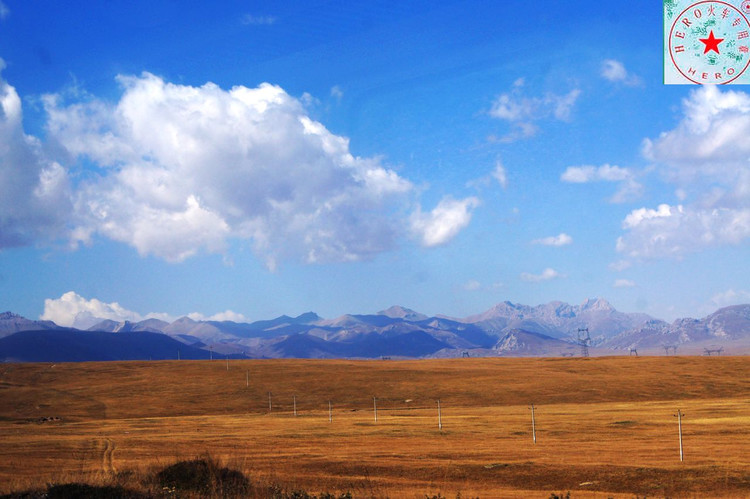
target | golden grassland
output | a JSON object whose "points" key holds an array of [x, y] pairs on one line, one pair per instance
{"points": [[605, 426]]}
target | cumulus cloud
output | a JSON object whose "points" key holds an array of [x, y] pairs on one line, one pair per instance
{"points": [[561, 239], [706, 156], [522, 112], [34, 190], [614, 71], [673, 231], [444, 222], [636, 217], [185, 168], [175, 170], [73, 310], [710, 140], [629, 188], [623, 283], [546, 275]]}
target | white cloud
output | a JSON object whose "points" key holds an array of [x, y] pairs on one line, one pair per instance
{"points": [[561, 239], [472, 285], [34, 190], [444, 222], [620, 265], [614, 71], [583, 174], [183, 169], [253, 20], [73, 310], [522, 112], [629, 188], [673, 231], [546, 275], [336, 92], [500, 175], [730, 297], [628, 191], [4, 10], [227, 315], [706, 156], [562, 105], [636, 217], [709, 142], [624, 283]]}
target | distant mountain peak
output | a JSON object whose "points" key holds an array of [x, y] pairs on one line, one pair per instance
{"points": [[185, 320], [597, 304], [399, 312], [12, 323], [307, 318]]}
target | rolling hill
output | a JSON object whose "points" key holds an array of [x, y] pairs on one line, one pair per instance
{"points": [[12, 323], [72, 345]]}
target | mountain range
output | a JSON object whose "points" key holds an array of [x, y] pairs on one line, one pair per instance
{"points": [[507, 329]]}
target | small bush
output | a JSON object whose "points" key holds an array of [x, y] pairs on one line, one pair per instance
{"points": [[204, 476]]}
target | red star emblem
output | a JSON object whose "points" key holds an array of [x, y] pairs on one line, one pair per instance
{"points": [[711, 43]]}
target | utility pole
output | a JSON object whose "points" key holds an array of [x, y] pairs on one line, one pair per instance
{"points": [[330, 412], [679, 428], [375, 408], [440, 417], [294, 399], [270, 407], [533, 423]]}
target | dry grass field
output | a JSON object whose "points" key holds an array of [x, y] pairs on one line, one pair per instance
{"points": [[604, 426]]}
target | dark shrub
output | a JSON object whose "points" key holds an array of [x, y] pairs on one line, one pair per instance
{"points": [[204, 476]]}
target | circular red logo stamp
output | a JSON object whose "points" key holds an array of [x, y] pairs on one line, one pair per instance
{"points": [[709, 42]]}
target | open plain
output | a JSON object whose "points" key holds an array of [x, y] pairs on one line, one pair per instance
{"points": [[605, 427]]}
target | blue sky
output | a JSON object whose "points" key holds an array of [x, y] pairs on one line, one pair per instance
{"points": [[241, 160]]}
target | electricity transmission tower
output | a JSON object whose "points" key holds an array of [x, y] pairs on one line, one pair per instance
{"points": [[584, 340]]}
